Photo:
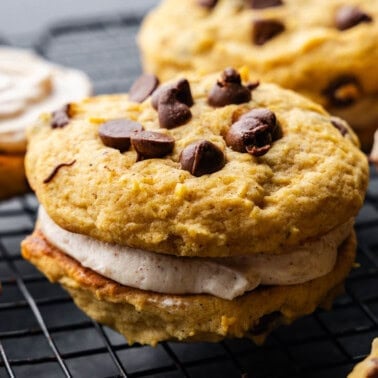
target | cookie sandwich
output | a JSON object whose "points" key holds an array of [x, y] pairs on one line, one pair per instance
{"points": [[199, 209], [324, 49], [29, 85]]}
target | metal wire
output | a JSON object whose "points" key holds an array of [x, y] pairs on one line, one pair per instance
{"points": [[31, 302], [5, 361], [42, 334], [110, 350]]}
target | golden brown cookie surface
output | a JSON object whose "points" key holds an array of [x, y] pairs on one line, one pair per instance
{"points": [[311, 178], [324, 49]]}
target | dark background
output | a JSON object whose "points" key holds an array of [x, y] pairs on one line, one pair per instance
{"points": [[21, 20]]}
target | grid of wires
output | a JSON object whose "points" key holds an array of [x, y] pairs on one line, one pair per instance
{"points": [[43, 334]]}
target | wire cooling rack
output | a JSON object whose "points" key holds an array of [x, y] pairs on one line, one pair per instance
{"points": [[43, 334]]}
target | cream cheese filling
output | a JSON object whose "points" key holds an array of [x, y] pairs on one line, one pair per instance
{"points": [[29, 86], [222, 277]]}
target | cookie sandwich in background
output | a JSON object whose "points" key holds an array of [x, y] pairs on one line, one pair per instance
{"points": [[324, 49], [198, 209], [29, 85]]}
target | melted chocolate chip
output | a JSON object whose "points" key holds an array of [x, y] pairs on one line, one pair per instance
{"points": [[207, 3], [336, 122], [254, 132], [264, 30], [143, 87], [150, 144], [172, 102], [116, 133], [155, 97], [61, 117], [372, 371], [182, 92], [230, 76], [252, 86], [201, 158], [56, 170], [172, 113], [349, 16], [343, 91], [229, 90], [261, 4]]}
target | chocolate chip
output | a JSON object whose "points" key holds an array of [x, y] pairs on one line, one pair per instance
{"points": [[201, 158], [254, 132], [229, 90], [173, 103], [261, 4], [116, 133], [336, 122], [150, 144], [183, 93], [343, 91], [207, 3], [372, 371], [143, 87], [155, 97], [61, 117], [56, 170], [252, 86], [230, 76], [264, 30], [349, 16], [172, 113]]}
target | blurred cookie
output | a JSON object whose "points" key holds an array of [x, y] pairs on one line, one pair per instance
{"points": [[324, 49], [368, 368], [29, 86], [374, 151], [215, 194]]}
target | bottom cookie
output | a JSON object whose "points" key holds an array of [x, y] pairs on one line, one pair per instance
{"points": [[148, 317], [12, 176]]}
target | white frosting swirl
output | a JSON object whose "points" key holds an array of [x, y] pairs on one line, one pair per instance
{"points": [[29, 86], [222, 277]]}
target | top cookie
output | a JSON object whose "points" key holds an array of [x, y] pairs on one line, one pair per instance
{"points": [[223, 167], [324, 49]]}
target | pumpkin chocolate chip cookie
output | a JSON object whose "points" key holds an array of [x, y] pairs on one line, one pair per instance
{"points": [[203, 208], [324, 49], [29, 85]]}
